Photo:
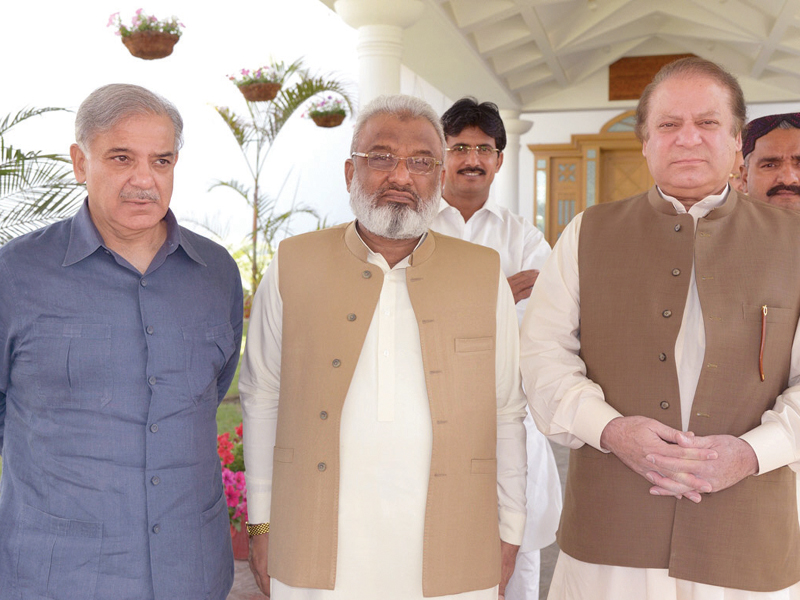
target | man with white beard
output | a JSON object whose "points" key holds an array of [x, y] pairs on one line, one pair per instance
{"points": [[384, 443]]}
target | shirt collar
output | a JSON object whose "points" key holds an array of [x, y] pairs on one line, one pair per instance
{"points": [[490, 206], [701, 208], [85, 239], [359, 248]]}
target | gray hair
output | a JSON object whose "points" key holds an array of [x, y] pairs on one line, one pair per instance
{"points": [[110, 104], [401, 106]]}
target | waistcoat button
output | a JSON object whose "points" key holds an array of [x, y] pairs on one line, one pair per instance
{"points": [[351, 317], [667, 314], [676, 272], [322, 466], [662, 357], [366, 274], [323, 415], [336, 362], [664, 404], [678, 227]]}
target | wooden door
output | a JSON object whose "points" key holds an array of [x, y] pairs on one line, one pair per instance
{"points": [[623, 173]]}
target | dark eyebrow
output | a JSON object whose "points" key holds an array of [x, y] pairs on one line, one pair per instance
{"points": [[766, 159]]}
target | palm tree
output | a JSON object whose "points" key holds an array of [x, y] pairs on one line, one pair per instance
{"points": [[35, 188], [255, 133]]}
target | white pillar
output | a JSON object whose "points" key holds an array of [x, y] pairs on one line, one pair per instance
{"points": [[380, 27], [506, 183]]}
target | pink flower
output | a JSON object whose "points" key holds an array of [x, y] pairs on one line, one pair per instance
{"points": [[238, 430], [138, 12], [232, 495], [112, 18]]}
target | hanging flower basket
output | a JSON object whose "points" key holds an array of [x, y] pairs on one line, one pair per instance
{"points": [[150, 45], [260, 91], [148, 37], [328, 119], [329, 111]]}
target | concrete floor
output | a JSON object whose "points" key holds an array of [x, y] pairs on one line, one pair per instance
{"points": [[244, 586]]}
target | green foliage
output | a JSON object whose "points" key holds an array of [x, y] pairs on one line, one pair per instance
{"points": [[35, 188], [229, 415], [141, 21], [277, 72], [255, 133]]}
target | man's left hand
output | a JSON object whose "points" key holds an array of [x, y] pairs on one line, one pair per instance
{"points": [[522, 284], [735, 461], [508, 554]]}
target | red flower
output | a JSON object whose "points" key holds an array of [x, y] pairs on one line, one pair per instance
{"points": [[225, 449]]}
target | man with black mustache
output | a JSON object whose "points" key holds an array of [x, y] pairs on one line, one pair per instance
{"points": [[771, 169], [476, 137]]}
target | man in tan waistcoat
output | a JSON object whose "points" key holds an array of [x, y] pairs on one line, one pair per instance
{"points": [[660, 345], [383, 411]]}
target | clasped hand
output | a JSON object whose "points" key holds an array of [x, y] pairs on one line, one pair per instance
{"points": [[678, 463]]}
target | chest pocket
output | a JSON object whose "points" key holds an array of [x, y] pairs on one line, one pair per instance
{"points": [[208, 349], [70, 362]]}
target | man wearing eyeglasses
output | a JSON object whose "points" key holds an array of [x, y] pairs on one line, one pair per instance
{"points": [[381, 398], [475, 137]]}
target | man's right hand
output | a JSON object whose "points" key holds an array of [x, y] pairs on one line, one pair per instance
{"points": [[633, 439], [259, 550], [522, 284]]}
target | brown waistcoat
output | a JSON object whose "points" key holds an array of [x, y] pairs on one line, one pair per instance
{"points": [[329, 293], [635, 259]]}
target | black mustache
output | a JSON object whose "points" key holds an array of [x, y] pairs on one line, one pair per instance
{"points": [[795, 189]]}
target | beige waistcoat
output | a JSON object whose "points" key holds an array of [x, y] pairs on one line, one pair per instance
{"points": [[329, 293], [635, 259]]}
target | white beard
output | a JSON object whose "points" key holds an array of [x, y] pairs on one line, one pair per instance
{"points": [[393, 221]]}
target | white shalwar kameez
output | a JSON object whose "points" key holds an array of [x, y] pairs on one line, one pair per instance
{"points": [[521, 247], [385, 443], [570, 409]]}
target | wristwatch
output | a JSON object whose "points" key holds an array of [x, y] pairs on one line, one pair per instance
{"points": [[257, 528]]}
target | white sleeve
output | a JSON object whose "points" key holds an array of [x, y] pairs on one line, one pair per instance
{"points": [[776, 441], [511, 455], [567, 406], [259, 388], [535, 253]]}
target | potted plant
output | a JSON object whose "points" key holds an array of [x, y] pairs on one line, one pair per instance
{"points": [[262, 84], [327, 112], [231, 458], [148, 37]]}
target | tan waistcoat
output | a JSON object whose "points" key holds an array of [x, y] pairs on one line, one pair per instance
{"points": [[329, 293], [635, 259]]}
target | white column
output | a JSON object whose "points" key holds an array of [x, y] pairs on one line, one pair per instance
{"points": [[380, 27], [506, 183]]}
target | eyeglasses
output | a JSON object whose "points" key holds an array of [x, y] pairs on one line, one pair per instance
{"points": [[463, 150], [382, 161]]}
